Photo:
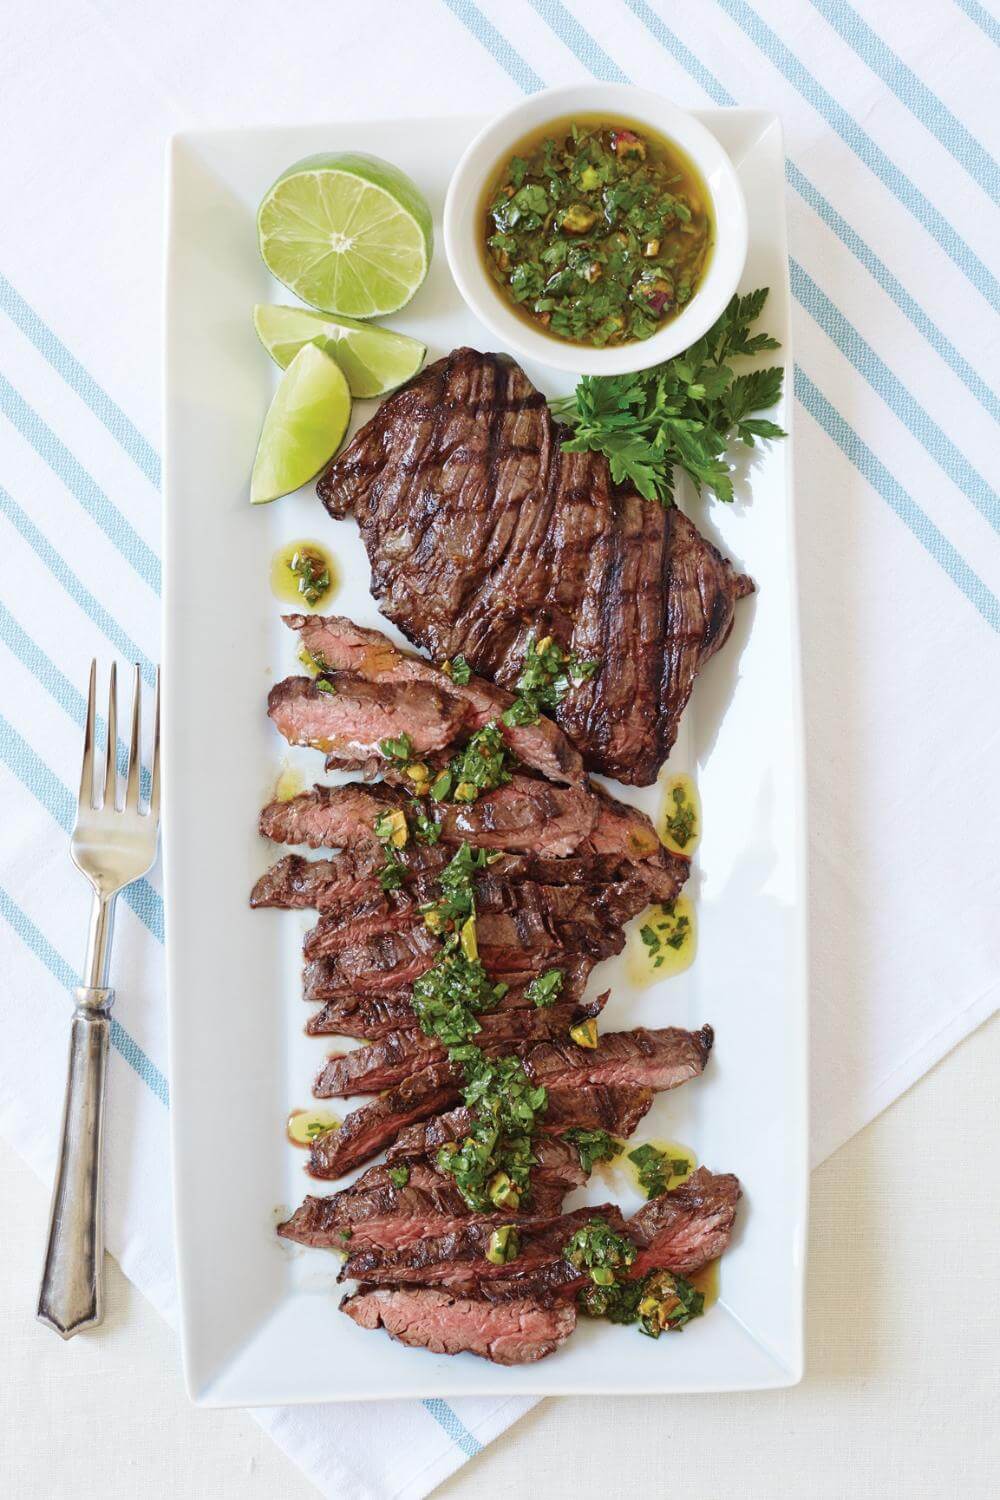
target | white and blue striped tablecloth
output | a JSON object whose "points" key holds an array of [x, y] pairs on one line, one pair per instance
{"points": [[890, 119]]}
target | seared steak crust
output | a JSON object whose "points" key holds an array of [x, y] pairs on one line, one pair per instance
{"points": [[480, 529], [511, 1333]]}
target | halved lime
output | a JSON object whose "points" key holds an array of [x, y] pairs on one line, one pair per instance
{"points": [[304, 425], [347, 233], [375, 360]]}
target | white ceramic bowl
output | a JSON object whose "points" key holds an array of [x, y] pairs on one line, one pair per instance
{"points": [[489, 151]]}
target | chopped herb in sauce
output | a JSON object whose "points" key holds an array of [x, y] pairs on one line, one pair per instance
{"points": [[323, 686], [600, 1251], [504, 1245], [458, 670], [480, 766], [544, 990], [399, 1176], [546, 677], [668, 1303], [312, 572], [593, 1146], [506, 1105], [597, 232], [672, 932], [448, 997], [398, 749], [681, 818], [656, 1169]]}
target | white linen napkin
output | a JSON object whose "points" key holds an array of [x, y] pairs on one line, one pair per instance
{"points": [[893, 228]]}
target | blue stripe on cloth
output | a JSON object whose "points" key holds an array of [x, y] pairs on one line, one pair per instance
{"points": [[912, 92], [873, 468], [72, 702], [80, 484], [121, 428], [912, 415], [982, 18], [497, 46], [833, 220], [444, 1415], [580, 42], [850, 132], [60, 803], [892, 492], [894, 289], [81, 596], [57, 966]]}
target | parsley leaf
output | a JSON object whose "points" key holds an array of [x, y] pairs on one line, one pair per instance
{"points": [[681, 414]]}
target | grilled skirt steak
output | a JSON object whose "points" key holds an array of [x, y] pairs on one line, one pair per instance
{"points": [[480, 529], [352, 717], [458, 1261], [337, 644], [371, 1016], [639, 1059], [395, 1056], [680, 1231], [369, 1129], [685, 1229], [510, 1333], [379, 1211]]}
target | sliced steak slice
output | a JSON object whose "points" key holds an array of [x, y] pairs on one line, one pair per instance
{"points": [[510, 1333], [330, 817], [378, 1209], [384, 962], [526, 816], [390, 1059], [680, 1231], [458, 1260], [337, 643], [685, 1229], [366, 1131], [615, 1108], [480, 529], [627, 833], [509, 913], [347, 717], [371, 1016], [334, 885], [638, 1059]]}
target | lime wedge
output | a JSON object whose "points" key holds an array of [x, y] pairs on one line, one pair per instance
{"points": [[375, 360], [347, 233], [304, 425]]}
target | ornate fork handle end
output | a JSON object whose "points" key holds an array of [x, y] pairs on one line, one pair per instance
{"points": [[71, 1296]]}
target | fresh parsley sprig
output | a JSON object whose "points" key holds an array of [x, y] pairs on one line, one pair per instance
{"points": [[682, 414]]}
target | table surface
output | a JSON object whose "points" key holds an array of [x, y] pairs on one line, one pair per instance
{"points": [[899, 1399]]}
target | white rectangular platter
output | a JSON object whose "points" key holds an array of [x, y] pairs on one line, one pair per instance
{"points": [[260, 1323]]}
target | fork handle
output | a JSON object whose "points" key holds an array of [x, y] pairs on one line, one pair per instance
{"points": [[71, 1296]]}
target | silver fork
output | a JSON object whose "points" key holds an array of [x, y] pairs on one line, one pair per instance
{"points": [[112, 846]]}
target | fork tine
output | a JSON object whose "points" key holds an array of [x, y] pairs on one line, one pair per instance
{"points": [[111, 751], [86, 798], [154, 788], [135, 739]]}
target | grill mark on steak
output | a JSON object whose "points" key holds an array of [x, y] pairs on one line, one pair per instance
{"points": [[477, 536], [355, 718], [338, 644], [376, 964], [640, 1058], [519, 1332], [331, 817]]}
